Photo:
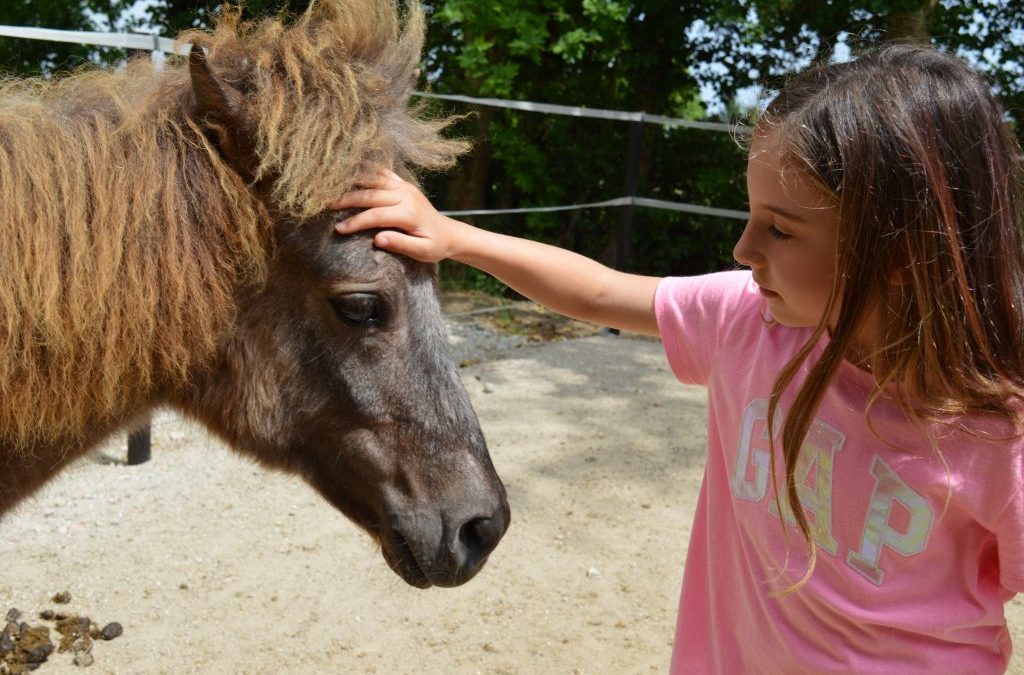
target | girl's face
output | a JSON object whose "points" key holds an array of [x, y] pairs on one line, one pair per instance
{"points": [[789, 243]]}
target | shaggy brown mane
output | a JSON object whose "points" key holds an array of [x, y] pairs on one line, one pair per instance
{"points": [[126, 238]]}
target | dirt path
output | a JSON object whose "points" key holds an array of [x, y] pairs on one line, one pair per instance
{"points": [[213, 565]]}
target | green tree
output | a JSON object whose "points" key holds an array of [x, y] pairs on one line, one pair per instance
{"points": [[600, 54], [763, 40], [174, 16], [655, 56], [35, 57]]}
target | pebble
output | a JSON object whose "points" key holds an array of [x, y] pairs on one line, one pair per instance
{"points": [[111, 631], [84, 659], [593, 572]]}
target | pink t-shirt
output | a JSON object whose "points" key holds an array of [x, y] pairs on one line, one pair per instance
{"points": [[919, 544]]}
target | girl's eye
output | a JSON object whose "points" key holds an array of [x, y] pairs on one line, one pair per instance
{"points": [[357, 309], [777, 233]]}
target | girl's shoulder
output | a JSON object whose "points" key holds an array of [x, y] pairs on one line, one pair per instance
{"points": [[706, 307], [715, 295], [718, 318]]}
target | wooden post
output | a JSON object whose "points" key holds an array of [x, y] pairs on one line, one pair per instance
{"points": [[139, 445], [636, 139], [622, 247]]}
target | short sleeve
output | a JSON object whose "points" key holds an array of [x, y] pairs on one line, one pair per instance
{"points": [[694, 314], [1009, 529]]}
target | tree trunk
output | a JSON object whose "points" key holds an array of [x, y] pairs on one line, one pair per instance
{"points": [[467, 189]]}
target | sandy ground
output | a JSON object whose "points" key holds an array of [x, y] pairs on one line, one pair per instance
{"points": [[214, 565]]}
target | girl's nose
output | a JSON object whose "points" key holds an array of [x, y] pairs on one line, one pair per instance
{"points": [[744, 252]]}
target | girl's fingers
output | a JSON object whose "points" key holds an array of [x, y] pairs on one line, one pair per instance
{"points": [[365, 199], [379, 189], [386, 180], [381, 180], [403, 244], [380, 218], [360, 221]]}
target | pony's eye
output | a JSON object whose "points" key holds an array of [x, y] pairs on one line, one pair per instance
{"points": [[357, 309]]}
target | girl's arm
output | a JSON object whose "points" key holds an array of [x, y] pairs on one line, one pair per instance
{"points": [[561, 280]]}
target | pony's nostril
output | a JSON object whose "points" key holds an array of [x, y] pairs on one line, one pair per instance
{"points": [[470, 536], [475, 542], [478, 537]]}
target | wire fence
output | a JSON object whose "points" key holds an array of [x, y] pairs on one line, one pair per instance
{"points": [[159, 46]]}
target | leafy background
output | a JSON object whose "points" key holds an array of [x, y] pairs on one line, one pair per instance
{"points": [[696, 60]]}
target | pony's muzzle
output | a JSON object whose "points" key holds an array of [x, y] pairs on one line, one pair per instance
{"points": [[444, 549]]}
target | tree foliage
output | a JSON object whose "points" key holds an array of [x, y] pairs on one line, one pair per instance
{"points": [[168, 17], [656, 56], [175, 16], [33, 57], [599, 54], [761, 41]]}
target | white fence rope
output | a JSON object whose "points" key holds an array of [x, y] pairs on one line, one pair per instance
{"points": [[155, 43], [598, 113], [152, 43], [618, 201]]}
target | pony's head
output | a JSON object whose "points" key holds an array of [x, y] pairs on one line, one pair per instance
{"points": [[337, 366]]}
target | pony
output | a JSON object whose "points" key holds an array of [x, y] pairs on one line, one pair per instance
{"points": [[167, 242]]}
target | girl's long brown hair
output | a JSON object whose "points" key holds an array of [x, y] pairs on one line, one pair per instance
{"points": [[927, 177]]}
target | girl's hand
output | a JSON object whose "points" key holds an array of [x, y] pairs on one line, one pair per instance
{"points": [[559, 279], [394, 204]]}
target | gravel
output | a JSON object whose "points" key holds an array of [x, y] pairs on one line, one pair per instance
{"points": [[472, 342], [213, 564]]}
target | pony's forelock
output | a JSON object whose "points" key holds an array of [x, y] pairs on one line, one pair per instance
{"points": [[349, 67]]}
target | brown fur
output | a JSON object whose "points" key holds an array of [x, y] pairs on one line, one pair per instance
{"points": [[127, 237], [167, 243]]}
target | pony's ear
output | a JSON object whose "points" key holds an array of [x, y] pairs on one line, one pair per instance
{"points": [[219, 109]]}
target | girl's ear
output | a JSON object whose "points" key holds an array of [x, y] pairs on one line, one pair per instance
{"points": [[219, 109]]}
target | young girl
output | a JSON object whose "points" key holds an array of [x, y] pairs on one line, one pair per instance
{"points": [[863, 502]]}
